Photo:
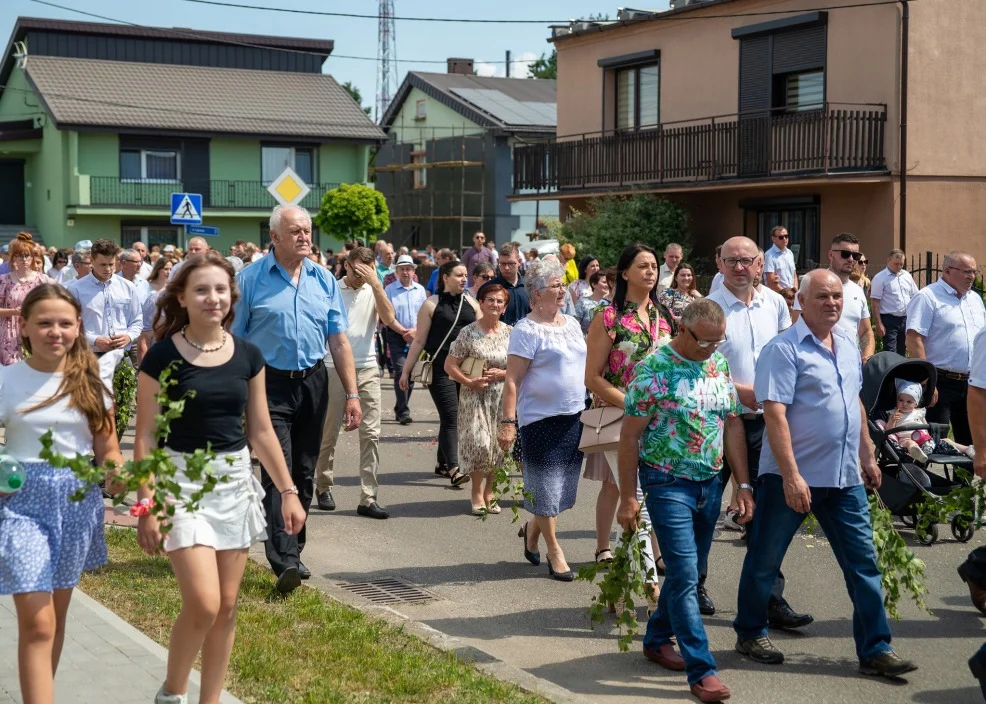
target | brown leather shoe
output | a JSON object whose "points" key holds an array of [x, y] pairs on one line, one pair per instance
{"points": [[667, 657], [710, 689], [976, 593]]}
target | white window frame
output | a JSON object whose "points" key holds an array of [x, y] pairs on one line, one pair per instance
{"points": [[143, 166], [294, 161]]}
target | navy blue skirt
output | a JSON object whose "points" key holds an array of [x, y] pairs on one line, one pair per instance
{"points": [[552, 464]]}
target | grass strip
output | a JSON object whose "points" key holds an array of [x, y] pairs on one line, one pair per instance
{"points": [[302, 648]]}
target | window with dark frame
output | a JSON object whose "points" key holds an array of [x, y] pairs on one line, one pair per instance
{"points": [[638, 97], [274, 159], [799, 91], [801, 222], [152, 165]]}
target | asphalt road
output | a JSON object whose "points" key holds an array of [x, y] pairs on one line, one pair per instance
{"points": [[491, 598]]}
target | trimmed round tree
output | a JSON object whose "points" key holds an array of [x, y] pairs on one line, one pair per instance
{"points": [[353, 210]]}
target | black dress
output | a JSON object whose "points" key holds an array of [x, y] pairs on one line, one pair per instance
{"points": [[444, 391]]}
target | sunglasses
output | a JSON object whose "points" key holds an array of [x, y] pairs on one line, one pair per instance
{"points": [[846, 254], [864, 261], [783, 237]]}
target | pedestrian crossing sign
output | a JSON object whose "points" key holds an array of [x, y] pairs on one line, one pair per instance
{"points": [[186, 208]]}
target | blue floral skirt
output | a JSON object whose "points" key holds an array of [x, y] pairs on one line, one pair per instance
{"points": [[552, 464], [46, 539]]}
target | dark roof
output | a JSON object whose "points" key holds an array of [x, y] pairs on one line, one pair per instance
{"points": [[94, 94], [487, 101], [640, 16]]}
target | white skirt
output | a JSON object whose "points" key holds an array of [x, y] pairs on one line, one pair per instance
{"points": [[230, 517]]}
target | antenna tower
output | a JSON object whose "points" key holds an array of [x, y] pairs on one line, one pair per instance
{"points": [[386, 57]]}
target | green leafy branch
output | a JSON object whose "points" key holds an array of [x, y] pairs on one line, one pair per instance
{"points": [[125, 392], [962, 506], [623, 584], [158, 464], [503, 483]]}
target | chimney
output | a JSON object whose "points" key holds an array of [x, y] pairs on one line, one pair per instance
{"points": [[460, 66]]}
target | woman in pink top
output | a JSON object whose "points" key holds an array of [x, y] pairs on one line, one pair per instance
{"points": [[14, 287]]}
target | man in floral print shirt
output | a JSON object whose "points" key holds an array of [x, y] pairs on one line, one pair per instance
{"points": [[681, 409]]}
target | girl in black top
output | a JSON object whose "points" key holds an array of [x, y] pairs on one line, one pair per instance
{"points": [[208, 548], [440, 320]]}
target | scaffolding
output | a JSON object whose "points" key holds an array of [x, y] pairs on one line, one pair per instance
{"points": [[434, 188]]}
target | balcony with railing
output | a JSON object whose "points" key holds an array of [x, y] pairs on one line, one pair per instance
{"points": [[222, 195], [831, 139]]}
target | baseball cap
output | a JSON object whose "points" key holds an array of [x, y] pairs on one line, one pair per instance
{"points": [[169, 248], [83, 244], [405, 259], [4, 249]]}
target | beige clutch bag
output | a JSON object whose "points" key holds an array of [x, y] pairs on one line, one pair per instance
{"points": [[473, 367], [601, 429]]}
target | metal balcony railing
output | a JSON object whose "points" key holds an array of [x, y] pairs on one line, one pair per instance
{"points": [[834, 138], [222, 194]]}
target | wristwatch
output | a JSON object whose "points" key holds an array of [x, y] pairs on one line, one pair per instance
{"points": [[290, 490], [746, 486], [352, 397]]}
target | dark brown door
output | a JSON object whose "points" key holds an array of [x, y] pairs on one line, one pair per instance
{"points": [[12, 190]]}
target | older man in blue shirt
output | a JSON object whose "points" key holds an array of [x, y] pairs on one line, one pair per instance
{"points": [[808, 379], [290, 308]]}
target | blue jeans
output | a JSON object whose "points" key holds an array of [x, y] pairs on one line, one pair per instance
{"points": [[844, 515], [684, 515]]}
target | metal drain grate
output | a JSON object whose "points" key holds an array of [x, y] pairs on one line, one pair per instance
{"points": [[389, 591]]}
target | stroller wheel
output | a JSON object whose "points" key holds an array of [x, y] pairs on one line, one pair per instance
{"points": [[963, 528], [909, 520], [929, 537]]}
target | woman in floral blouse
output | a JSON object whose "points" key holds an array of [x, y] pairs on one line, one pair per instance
{"points": [[681, 292], [14, 287], [629, 329]]}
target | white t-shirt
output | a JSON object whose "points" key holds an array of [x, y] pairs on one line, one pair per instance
{"points": [[854, 308], [555, 381], [361, 308], [21, 388]]}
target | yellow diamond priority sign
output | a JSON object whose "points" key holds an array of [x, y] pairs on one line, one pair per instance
{"points": [[288, 188]]}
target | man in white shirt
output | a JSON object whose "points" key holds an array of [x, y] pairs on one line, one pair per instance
{"points": [[110, 309], [672, 258], [406, 296], [366, 306], [196, 245], [844, 254], [145, 268], [753, 318], [779, 268], [130, 263], [890, 292], [943, 319]]}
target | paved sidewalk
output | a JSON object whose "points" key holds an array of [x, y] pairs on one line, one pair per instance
{"points": [[105, 659]]}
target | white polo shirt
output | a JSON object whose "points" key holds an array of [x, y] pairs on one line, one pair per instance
{"points": [[854, 308], [361, 309], [949, 324], [749, 328], [781, 263], [894, 291]]}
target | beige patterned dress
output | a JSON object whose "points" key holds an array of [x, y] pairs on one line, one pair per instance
{"points": [[479, 412]]}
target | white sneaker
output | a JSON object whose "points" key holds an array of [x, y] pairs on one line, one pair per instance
{"points": [[917, 453], [163, 698], [730, 523]]}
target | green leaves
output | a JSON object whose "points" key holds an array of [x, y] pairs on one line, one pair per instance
{"points": [[157, 465], [502, 484], [902, 571], [354, 210], [125, 392]]}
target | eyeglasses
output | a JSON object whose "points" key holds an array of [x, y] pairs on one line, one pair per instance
{"points": [[864, 261], [24, 256], [705, 344], [554, 287], [484, 277], [744, 262], [846, 254], [966, 272]]}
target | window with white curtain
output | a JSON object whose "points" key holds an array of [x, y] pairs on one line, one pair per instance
{"points": [[274, 159], [158, 166], [638, 97]]}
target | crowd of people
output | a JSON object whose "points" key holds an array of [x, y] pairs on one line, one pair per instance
{"points": [[753, 385]]}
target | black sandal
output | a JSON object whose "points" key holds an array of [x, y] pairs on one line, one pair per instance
{"points": [[457, 478], [605, 561]]}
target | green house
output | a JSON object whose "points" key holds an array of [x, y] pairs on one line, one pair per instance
{"points": [[101, 123]]}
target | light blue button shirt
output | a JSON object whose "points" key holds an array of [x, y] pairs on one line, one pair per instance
{"points": [[821, 392], [781, 263], [407, 302], [108, 307], [290, 324]]}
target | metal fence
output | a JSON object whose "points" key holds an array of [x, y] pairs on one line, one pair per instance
{"points": [[926, 268]]}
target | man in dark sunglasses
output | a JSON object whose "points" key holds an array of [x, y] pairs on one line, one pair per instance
{"points": [[778, 262], [844, 255]]}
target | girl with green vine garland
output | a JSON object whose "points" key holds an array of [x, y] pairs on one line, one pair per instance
{"points": [[46, 539]]}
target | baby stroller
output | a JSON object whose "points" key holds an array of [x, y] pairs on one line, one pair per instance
{"points": [[902, 489]]}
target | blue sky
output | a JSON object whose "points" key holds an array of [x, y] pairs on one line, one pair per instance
{"points": [[357, 37]]}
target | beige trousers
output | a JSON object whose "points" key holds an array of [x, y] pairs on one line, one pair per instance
{"points": [[368, 385]]}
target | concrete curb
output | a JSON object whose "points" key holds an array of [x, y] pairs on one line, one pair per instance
{"points": [[141, 641], [464, 652]]}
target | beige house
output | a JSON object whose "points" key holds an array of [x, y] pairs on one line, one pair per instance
{"points": [[752, 113]]}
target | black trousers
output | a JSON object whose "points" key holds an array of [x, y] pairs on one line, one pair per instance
{"points": [[445, 393], [951, 408], [297, 411], [398, 356], [754, 430], [896, 327]]}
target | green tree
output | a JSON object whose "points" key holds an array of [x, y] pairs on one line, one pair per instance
{"points": [[545, 67], [611, 223], [353, 210], [355, 95]]}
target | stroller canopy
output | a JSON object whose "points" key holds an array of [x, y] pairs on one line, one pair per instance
{"points": [[881, 372]]}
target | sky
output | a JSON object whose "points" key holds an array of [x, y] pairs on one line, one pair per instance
{"points": [[416, 43]]}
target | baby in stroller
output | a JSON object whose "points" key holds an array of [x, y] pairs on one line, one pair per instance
{"points": [[919, 443]]}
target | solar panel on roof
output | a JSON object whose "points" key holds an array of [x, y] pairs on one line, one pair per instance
{"points": [[508, 110]]}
